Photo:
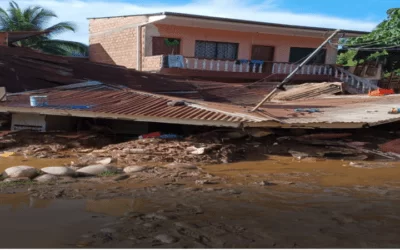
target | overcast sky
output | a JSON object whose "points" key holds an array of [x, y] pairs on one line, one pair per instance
{"points": [[346, 14]]}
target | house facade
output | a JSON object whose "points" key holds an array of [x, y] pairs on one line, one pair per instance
{"points": [[208, 44]]}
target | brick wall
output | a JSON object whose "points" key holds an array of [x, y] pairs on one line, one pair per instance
{"points": [[151, 63], [113, 40], [3, 39]]}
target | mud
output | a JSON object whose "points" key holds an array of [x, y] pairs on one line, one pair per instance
{"points": [[280, 202], [283, 191]]}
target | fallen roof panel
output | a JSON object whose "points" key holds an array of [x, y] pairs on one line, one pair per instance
{"points": [[89, 100], [130, 105]]}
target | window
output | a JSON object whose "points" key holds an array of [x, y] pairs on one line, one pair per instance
{"points": [[216, 50], [166, 46], [297, 54]]}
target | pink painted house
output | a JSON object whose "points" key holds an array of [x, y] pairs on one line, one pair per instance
{"points": [[193, 45]]}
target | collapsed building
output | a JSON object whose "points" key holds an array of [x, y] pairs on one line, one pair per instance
{"points": [[46, 92]]}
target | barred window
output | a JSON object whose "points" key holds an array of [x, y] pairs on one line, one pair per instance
{"points": [[299, 54], [216, 50]]}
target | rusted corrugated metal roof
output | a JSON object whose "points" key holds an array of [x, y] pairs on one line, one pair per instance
{"points": [[22, 69], [335, 112], [131, 105]]}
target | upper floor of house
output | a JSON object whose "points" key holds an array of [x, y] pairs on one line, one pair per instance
{"points": [[201, 43]]}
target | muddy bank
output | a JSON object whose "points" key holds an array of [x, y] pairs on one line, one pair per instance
{"points": [[308, 198], [281, 202], [32, 223], [230, 215]]}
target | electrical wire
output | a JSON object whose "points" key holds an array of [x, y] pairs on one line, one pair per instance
{"points": [[390, 48], [263, 79], [376, 42]]}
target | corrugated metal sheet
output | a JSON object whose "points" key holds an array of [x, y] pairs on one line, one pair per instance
{"points": [[335, 111], [308, 91], [132, 105]]}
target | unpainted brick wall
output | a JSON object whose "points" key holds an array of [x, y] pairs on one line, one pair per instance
{"points": [[113, 40], [3, 39], [151, 63]]}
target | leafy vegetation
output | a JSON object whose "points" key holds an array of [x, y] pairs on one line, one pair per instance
{"points": [[34, 18], [347, 58], [387, 33], [375, 45]]}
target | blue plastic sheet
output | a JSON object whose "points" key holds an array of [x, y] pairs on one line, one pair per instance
{"points": [[309, 110]]}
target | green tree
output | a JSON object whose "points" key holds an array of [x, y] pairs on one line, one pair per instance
{"points": [[386, 34], [380, 44], [34, 18], [347, 58]]}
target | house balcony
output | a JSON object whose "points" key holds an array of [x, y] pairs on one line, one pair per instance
{"points": [[235, 70]]}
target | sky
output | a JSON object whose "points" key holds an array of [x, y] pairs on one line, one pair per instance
{"points": [[361, 15]]}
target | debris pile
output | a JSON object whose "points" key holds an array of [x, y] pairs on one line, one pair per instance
{"points": [[48, 145], [160, 150], [329, 145]]}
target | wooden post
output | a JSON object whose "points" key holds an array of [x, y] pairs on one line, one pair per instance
{"points": [[280, 86]]}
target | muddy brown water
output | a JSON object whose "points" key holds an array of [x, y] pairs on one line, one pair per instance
{"points": [[6, 162], [32, 223], [310, 203]]}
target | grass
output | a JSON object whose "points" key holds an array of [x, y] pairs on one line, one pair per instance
{"points": [[108, 174]]}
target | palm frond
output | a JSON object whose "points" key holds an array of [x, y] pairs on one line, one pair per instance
{"points": [[65, 47], [15, 15], [35, 18], [4, 20], [61, 28], [41, 17]]}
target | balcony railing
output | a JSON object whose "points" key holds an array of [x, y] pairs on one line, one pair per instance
{"points": [[249, 67], [221, 65], [361, 85], [311, 69]]}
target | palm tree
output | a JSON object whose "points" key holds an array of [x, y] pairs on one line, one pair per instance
{"points": [[34, 18]]}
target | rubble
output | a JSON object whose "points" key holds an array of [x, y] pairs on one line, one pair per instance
{"points": [[159, 150], [51, 145]]}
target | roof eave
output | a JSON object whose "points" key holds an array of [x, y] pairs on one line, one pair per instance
{"points": [[240, 21]]}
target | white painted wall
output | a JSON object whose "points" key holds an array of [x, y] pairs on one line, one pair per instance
{"points": [[28, 121]]}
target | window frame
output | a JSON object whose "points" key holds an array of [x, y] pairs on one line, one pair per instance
{"points": [[323, 49], [216, 50]]}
